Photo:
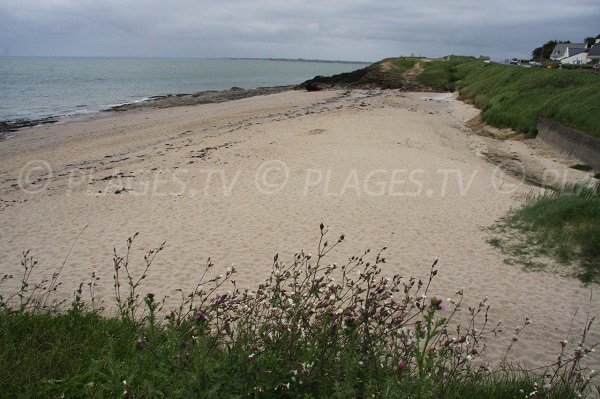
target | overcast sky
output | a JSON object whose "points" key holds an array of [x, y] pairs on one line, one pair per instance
{"points": [[326, 29]]}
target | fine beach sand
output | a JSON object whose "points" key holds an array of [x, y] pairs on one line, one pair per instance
{"points": [[242, 180]]}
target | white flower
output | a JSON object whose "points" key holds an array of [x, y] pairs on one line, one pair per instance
{"points": [[469, 357]]}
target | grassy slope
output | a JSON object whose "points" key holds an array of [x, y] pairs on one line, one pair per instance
{"points": [[514, 97], [442, 75]]}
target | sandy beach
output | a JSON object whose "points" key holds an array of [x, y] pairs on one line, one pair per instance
{"points": [[242, 180]]}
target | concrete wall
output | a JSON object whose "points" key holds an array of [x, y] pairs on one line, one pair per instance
{"points": [[570, 142]]}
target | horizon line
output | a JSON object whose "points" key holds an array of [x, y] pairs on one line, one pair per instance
{"points": [[191, 57]]}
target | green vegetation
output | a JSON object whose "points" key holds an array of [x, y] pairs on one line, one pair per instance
{"points": [[389, 72], [508, 96], [442, 75], [581, 166], [512, 97], [561, 224], [302, 333]]}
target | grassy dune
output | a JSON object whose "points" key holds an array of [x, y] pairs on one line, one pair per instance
{"points": [[563, 224], [514, 97]]}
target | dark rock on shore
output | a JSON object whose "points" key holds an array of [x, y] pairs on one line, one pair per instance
{"points": [[13, 126], [201, 97], [354, 79]]}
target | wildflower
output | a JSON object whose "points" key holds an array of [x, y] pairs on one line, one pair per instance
{"points": [[469, 357], [140, 343], [401, 365], [201, 316]]}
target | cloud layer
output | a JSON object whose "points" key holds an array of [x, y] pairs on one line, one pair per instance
{"points": [[336, 29]]}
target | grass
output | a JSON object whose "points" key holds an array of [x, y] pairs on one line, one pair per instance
{"points": [[442, 75], [563, 224], [389, 72], [303, 333], [513, 97], [583, 167]]}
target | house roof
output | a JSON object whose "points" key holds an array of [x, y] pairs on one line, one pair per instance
{"points": [[561, 48], [594, 51], [575, 51]]}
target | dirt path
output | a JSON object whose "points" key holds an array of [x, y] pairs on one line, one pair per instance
{"points": [[410, 78]]}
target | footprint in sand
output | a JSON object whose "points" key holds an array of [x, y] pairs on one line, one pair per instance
{"points": [[315, 132]]}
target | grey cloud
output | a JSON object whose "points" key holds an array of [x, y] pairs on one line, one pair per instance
{"points": [[337, 29]]}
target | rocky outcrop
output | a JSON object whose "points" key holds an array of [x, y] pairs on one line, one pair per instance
{"points": [[201, 97]]}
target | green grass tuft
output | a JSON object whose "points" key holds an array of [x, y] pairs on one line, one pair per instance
{"points": [[564, 224], [583, 167]]}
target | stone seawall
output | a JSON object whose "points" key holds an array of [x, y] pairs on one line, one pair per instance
{"points": [[570, 142]]}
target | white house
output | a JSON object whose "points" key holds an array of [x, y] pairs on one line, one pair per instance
{"points": [[577, 59], [594, 53], [565, 50]]}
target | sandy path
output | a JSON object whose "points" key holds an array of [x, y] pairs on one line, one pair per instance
{"points": [[242, 180]]}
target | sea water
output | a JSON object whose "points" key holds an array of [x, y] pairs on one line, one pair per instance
{"points": [[37, 87]]}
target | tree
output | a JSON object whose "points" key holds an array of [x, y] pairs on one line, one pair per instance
{"points": [[590, 41], [547, 48]]}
